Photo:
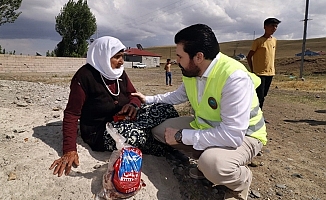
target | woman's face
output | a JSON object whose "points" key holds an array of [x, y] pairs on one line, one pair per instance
{"points": [[117, 60]]}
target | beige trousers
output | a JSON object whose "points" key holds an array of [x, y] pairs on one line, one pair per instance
{"points": [[220, 165]]}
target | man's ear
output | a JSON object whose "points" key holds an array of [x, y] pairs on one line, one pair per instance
{"points": [[199, 57]]}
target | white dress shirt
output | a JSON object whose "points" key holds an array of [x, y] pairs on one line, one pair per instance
{"points": [[235, 106]]}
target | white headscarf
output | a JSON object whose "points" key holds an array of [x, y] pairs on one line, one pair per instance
{"points": [[99, 54]]}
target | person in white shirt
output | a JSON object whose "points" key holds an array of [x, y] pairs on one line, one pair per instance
{"points": [[228, 128]]}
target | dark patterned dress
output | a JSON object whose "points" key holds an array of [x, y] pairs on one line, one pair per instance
{"points": [[138, 133]]}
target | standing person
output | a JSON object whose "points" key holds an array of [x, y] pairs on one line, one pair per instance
{"points": [[168, 74], [100, 92], [227, 129], [261, 58]]}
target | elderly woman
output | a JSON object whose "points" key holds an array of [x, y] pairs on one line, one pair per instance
{"points": [[100, 92]]}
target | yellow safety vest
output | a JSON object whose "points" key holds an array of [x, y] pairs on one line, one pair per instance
{"points": [[208, 110]]}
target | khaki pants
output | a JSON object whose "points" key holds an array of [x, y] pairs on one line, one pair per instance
{"points": [[220, 165]]}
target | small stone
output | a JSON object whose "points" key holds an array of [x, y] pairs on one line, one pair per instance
{"points": [[97, 166], [297, 175], [22, 104], [255, 193], [253, 164], [9, 137], [281, 186], [279, 193], [19, 130], [55, 109], [12, 176]]}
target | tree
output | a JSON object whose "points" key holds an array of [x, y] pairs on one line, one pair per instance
{"points": [[76, 24], [8, 10], [50, 54]]}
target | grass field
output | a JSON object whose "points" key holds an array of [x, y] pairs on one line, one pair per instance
{"points": [[285, 48]]}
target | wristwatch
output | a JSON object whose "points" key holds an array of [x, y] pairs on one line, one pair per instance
{"points": [[178, 136]]}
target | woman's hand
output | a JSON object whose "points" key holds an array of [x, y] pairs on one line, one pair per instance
{"points": [[130, 110], [141, 97], [64, 163]]}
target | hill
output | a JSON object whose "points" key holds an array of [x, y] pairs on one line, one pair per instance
{"points": [[285, 48]]}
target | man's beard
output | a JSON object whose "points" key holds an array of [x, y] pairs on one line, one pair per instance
{"points": [[192, 70]]}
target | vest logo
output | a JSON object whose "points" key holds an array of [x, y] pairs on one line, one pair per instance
{"points": [[212, 102]]}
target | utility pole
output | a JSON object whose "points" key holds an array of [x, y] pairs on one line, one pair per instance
{"points": [[304, 39]]}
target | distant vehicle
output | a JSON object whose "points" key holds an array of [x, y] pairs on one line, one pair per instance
{"points": [[139, 65]]}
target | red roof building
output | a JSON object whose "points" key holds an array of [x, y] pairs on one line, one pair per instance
{"points": [[136, 55], [139, 52]]}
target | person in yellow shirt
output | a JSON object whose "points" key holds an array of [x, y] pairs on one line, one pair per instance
{"points": [[261, 58]]}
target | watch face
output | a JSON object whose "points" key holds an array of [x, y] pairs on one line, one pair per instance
{"points": [[178, 136]]}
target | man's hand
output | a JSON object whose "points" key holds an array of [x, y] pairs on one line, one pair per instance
{"points": [[169, 136], [141, 97], [64, 163], [249, 60]]}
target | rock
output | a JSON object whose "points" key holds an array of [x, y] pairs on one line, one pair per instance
{"points": [[56, 116], [278, 193], [22, 104], [19, 130], [255, 194], [282, 186], [12, 176], [9, 137], [97, 166], [297, 175], [253, 164], [55, 109]]}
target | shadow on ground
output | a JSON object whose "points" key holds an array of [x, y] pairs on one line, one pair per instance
{"points": [[320, 111], [309, 121], [51, 134]]}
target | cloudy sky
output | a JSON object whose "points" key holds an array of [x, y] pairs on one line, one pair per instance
{"points": [[154, 23]]}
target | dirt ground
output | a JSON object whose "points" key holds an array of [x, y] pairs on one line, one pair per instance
{"points": [[291, 165]]}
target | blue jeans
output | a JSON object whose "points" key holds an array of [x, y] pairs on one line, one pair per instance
{"points": [[168, 78]]}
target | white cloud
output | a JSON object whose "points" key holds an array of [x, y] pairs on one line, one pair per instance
{"points": [[154, 23]]}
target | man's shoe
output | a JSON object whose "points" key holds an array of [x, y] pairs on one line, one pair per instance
{"points": [[239, 195], [195, 173], [233, 195]]}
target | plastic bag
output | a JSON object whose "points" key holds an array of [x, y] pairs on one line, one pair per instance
{"points": [[123, 176]]}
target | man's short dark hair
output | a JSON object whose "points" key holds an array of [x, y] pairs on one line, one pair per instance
{"points": [[269, 21], [198, 38], [168, 60]]}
